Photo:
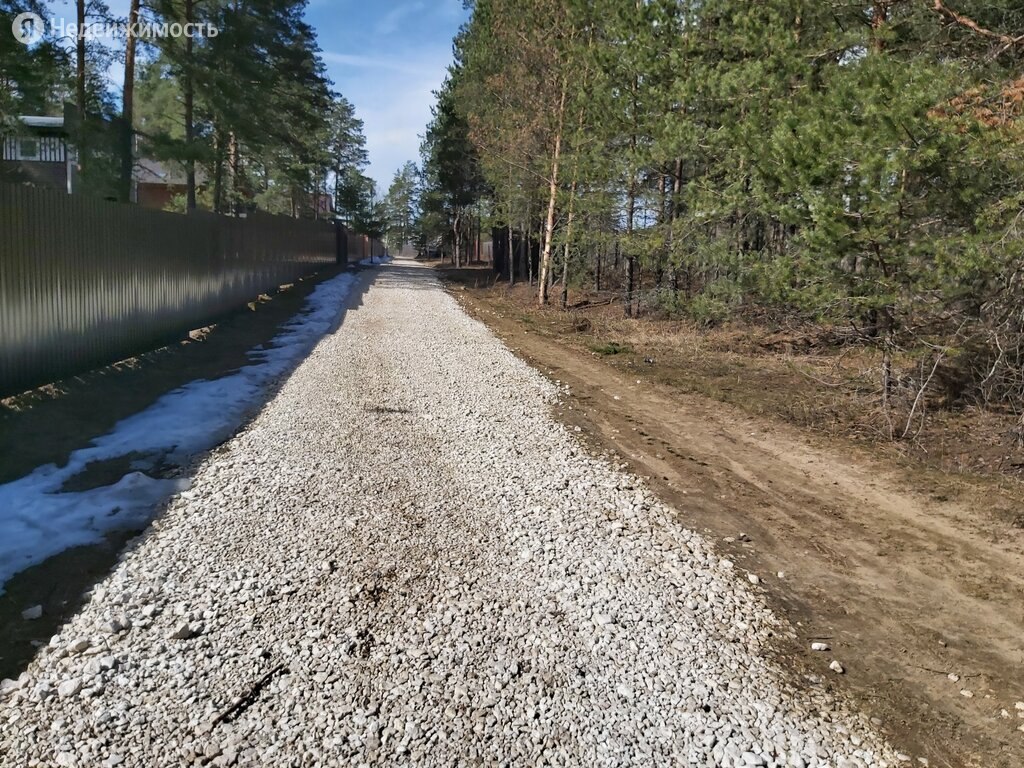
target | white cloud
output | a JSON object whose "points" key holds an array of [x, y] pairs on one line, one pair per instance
{"points": [[391, 21], [370, 62], [393, 99]]}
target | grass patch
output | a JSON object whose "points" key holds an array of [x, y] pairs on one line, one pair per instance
{"points": [[610, 348]]}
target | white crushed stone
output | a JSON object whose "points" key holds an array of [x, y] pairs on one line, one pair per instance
{"points": [[419, 565]]}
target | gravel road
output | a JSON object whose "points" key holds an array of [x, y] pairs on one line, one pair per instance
{"points": [[405, 558]]}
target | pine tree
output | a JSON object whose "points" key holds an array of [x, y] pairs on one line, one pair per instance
{"points": [[32, 79], [450, 160], [400, 206]]}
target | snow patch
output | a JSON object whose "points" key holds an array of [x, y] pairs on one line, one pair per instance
{"points": [[38, 521]]}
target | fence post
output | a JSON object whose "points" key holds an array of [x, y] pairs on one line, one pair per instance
{"points": [[340, 243]]}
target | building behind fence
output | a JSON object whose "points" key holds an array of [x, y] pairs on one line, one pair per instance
{"points": [[86, 282]]}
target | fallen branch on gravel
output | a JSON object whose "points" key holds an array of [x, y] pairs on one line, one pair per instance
{"points": [[589, 304], [243, 702]]}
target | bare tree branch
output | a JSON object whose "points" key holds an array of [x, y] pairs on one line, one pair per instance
{"points": [[965, 21]]}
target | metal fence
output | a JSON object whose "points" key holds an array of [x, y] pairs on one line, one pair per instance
{"points": [[359, 247], [86, 282]]}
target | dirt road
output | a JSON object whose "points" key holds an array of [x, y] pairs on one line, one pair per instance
{"points": [[404, 558], [918, 590]]}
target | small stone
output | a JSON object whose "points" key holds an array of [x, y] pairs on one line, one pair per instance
{"points": [[966, 693], [820, 647], [753, 578], [836, 667], [78, 646], [603, 619], [111, 627], [781, 574], [69, 688], [181, 632], [1019, 706], [66, 760], [953, 677], [33, 613]]}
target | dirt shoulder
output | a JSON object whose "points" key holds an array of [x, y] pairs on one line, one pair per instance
{"points": [[914, 576]]}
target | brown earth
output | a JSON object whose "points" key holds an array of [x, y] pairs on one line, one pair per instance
{"points": [[911, 574]]}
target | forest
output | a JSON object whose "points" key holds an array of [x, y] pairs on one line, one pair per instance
{"points": [[248, 113], [848, 166]]}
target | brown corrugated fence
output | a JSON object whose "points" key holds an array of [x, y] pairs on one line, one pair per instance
{"points": [[86, 282]]}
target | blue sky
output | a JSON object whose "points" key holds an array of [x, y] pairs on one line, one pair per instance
{"points": [[385, 56]]}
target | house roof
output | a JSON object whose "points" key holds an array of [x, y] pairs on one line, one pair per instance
{"points": [[41, 121], [149, 171]]}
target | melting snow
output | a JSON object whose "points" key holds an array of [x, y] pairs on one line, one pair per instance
{"points": [[37, 521]]}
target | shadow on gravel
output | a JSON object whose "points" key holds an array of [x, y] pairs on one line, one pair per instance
{"points": [[46, 425]]}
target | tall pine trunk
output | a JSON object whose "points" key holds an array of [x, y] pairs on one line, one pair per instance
{"points": [[631, 194], [674, 262], [456, 256], [83, 128], [568, 236], [663, 217], [509, 255], [188, 91], [234, 162], [218, 173], [630, 258], [524, 240], [80, 61], [549, 224], [128, 107], [879, 16], [524, 247]]}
